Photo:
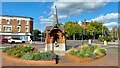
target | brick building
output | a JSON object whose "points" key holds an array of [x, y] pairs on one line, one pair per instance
{"points": [[16, 26], [55, 36]]}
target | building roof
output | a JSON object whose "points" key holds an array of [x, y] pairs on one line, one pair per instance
{"points": [[51, 28], [16, 16]]}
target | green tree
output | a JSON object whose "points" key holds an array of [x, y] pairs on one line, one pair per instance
{"points": [[36, 34], [95, 29], [73, 29]]}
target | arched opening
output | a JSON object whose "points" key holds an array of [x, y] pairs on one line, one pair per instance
{"points": [[55, 38]]}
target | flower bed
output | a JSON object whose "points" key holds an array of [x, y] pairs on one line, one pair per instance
{"points": [[20, 60], [26, 52], [86, 53]]}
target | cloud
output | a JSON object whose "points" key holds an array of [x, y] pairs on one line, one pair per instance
{"points": [[50, 19], [76, 8], [62, 16], [84, 0], [45, 20], [59, 0], [111, 24], [67, 9], [110, 16]]}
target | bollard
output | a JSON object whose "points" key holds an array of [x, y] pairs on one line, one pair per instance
{"points": [[31, 42], [105, 42], [89, 41]]}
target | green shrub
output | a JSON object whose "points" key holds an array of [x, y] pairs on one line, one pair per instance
{"points": [[99, 51], [28, 56], [107, 38], [5, 49], [46, 55], [43, 56], [27, 49], [28, 53], [90, 51], [100, 39], [36, 56], [72, 51], [80, 55], [103, 51]]}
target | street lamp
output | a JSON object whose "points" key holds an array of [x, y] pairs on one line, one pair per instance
{"points": [[92, 34], [83, 33]]}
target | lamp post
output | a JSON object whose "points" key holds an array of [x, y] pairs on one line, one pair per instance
{"points": [[92, 35], [83, 35]]}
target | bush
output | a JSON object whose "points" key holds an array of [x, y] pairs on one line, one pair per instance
{"points": [[72, 51], [89, 51], [5, 49], [43, 55], [36, 56], [28, 56], [46, 55], [83, 47], [19, 50], [99, 51], [107, 38], [28, 53], [100, 39]]}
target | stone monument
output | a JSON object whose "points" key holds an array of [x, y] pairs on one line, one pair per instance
{"points": [[55, 36]]}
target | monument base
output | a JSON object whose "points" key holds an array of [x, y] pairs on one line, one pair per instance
{"points": [[52, 47]]}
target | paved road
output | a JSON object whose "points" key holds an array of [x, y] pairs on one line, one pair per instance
{"points": [[70, 43]]}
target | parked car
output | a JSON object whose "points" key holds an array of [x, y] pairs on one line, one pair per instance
{"points": [[15, 40], [3, 40]]}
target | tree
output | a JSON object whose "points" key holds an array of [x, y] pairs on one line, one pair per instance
{"points": [[95, 29], [73, 29], [36, 34]]}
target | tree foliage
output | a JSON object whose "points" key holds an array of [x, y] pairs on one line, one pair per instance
{"points": [[92, 29], [36, 32], [73, 28]]}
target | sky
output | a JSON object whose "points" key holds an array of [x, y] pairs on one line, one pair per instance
{"points": [[42, 12]]}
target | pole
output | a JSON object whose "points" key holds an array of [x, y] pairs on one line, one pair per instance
{"points": [[41, 37], [82, 40]]}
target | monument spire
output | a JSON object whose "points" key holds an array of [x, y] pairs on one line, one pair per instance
{"points": [[55, 17]]}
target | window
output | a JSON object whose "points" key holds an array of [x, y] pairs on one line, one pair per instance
{"points": [[7, 28], [19, 22], [26, 29], [7, 22], [18, 29], [26, 22]]}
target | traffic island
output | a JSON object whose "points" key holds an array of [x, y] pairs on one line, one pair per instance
{"points": [[81, 60], [20, 60], [85, 53], [28, 54]]}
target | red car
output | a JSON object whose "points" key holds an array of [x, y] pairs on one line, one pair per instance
{"points": [[3, 40]]}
